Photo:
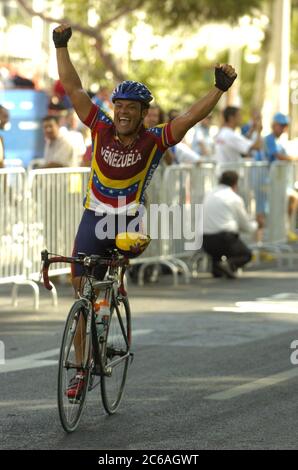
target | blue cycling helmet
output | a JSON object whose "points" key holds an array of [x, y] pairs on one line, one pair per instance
{"points": [[129, 90]]}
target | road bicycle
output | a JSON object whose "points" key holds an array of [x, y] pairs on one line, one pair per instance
{"points": [[96, 349]]}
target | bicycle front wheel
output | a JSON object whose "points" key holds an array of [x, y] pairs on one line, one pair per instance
{"points": [[74, 370], [116, 354]]}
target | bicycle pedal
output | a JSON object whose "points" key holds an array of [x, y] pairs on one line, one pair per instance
{"points": [[131, 355]]}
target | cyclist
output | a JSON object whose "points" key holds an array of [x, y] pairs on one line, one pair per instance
{"points": [[125, 153]]}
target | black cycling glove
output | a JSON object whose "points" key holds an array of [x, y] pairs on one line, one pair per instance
{"points": [[222, 80], [61, 39]]}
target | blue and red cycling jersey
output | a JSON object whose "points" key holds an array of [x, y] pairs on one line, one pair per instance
{"points": [[120, 174]]}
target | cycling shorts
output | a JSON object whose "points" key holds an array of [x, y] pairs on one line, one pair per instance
{"points": [[91, 239]]}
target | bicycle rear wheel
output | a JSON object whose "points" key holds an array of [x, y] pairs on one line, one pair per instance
{"points": [[116, 354], [74, 365]]}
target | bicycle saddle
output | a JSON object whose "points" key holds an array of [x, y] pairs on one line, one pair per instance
{"points": [[132, 244]]}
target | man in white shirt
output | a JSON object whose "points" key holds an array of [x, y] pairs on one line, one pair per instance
{"points": [[70, 131], [230, 146], [181, 152], [224, 216], [58, 151], [184, 154], [202, 141]]}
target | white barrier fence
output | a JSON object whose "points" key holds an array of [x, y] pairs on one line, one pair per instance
{"points": [[54, 212], [42, 209], [12, 224]]}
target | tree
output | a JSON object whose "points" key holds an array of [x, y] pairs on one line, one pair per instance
{"points": [[189, 78], [169, 15]]}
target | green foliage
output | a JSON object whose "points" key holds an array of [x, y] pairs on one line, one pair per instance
{"points": [[294, 37], [175, 12], [171, 13], [194, 12], [177, 85], [174, 85]]}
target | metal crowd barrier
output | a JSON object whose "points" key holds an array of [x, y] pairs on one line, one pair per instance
{"points": [[184, 188], [160, 227], [278, 223], [293, 188], [154, 254], [13, 231], [277, 202], [42, 209], [12, 224], [55, 210], [48, 205], [264, 189]]}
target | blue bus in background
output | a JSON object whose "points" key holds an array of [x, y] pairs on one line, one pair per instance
{"points": [[24, 138]]}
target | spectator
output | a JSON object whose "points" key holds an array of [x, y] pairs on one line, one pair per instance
{"points": [[202, 142], [155, 116], [184, 154], [273, 148], [56, 108], [58, 151], [5, 77], [22, 82], [231, 146], [259, 176], [224, 217], [74, 137], [60, 97], [4, 118], [275, 151], [251, 130], [181, 152], [103, 99]]}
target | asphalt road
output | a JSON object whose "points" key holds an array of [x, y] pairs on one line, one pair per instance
{"points": [[212, 369]]}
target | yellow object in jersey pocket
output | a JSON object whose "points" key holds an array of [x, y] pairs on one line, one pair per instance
{"points": [[132, 244]]}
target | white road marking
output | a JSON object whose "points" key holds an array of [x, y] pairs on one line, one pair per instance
{"points": [[260, 307], [284, 302], [33, 361], [141, 332], [255, 385]]}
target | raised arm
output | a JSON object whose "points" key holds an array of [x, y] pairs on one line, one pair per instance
{"points": [[68, 74], [224, 78]]}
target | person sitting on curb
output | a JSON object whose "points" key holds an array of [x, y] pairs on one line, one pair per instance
{"points": [[224, 216]]}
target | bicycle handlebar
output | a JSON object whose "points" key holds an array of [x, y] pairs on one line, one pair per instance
{"points": [[83, 259], [46, 264], [45, 275]]}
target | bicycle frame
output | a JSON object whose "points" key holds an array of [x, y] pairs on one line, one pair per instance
{"points": [[82, 349], [89, 295]]}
